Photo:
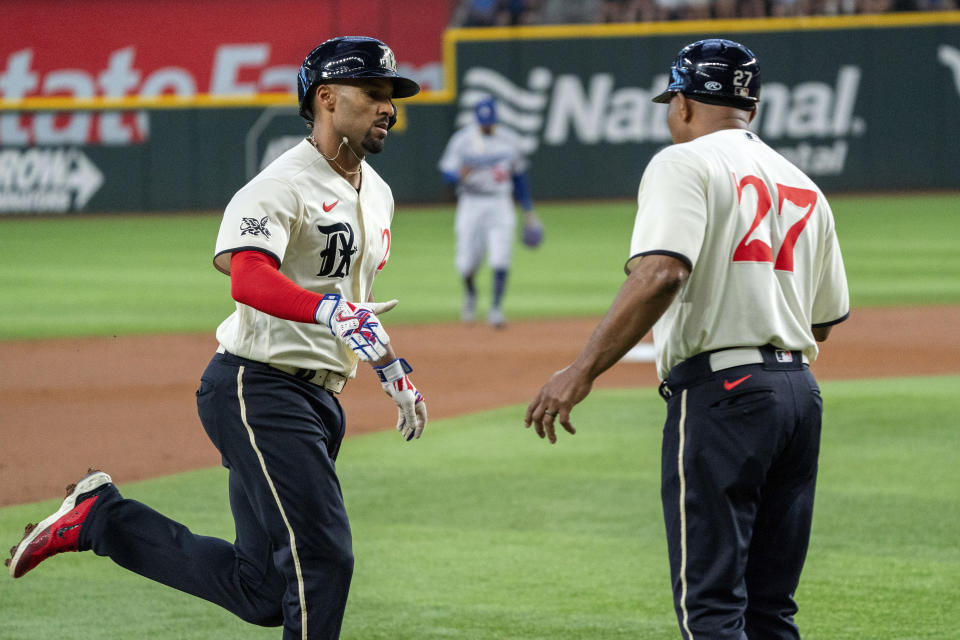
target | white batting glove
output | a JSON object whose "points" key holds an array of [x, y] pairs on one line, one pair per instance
{"points": [[356, 325], [411, 409]]}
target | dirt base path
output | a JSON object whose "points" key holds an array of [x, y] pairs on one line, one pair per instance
{"points": [[126, 404]]}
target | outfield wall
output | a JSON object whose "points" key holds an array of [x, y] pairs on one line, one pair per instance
{"points": [[860, 103]]}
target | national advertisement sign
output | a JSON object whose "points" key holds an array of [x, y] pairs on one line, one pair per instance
{"points": [[849, 115], [864, 103], [566, 107]]}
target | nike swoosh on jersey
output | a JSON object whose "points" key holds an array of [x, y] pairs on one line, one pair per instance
{"points": [[731, 385], [326, 207]]}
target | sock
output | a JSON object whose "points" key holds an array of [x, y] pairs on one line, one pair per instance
{"points": [[499, 286], [468, 283]]}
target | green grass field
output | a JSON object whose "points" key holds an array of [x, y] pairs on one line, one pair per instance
{"points": [[482, 531], [115, 275]]}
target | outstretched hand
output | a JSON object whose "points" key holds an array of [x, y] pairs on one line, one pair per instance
{"points": [[356, 325], [554, 402]]}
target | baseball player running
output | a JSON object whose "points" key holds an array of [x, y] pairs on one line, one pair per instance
{"points": [[489, 170], [734, 263], [302, 243]]}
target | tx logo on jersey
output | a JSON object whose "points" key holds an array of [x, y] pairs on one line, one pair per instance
{"points": [[338, 250], [254, 227]]}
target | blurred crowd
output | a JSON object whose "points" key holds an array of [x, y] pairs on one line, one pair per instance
{"points": [[483, 13]]}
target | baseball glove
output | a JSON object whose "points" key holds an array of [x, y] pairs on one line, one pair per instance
{"points": [[532, 231]]}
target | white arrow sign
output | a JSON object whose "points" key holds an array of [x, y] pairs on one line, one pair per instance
{"points": [[84, 179], [46, 180]]}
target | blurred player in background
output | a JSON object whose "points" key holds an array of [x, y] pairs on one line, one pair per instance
{"points": [[735, 264], [486, 165]]}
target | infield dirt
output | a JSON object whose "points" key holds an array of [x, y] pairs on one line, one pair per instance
{"points": [[126, 404]]}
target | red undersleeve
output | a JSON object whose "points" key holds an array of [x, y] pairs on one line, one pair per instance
{"points": [[255, 280]]}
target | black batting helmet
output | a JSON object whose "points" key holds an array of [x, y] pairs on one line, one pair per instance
{"points": [[715, 71], [349, 57]]}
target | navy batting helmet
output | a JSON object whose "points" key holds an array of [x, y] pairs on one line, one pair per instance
{"points": [[715, 71], [486, 111], [349, 57]]}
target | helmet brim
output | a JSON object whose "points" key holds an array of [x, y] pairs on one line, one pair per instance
{"points": [[665, 97], [745, 104], [404, 87]]}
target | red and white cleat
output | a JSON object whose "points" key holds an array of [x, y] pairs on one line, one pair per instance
{"points": [[60, 531]]}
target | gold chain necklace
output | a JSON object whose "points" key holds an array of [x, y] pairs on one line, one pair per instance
{"points": [[334, 158]]}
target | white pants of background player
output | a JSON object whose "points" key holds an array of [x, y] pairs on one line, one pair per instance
{"points": [[484, 225]]}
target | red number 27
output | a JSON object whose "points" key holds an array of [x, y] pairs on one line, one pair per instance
{"points": [[759, 251]]}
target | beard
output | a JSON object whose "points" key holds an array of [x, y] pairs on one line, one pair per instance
{"points": [[372, 144]]}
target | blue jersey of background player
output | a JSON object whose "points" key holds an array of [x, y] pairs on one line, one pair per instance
{"points": [[487, 166]]}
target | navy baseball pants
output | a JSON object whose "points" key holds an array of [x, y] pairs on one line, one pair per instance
{"points": [[292, 559], [739, 468]]}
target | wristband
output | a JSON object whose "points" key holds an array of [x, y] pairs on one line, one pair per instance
{"points": [[325, 309], [393, 371]]}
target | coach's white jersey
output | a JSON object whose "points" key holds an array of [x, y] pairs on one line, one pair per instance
{"points": [[492, 160], [327, 237], [759, 236]]}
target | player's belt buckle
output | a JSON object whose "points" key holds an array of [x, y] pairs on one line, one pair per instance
{"points": [[333, 382], [329, 380]]}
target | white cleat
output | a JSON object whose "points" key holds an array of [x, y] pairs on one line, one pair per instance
{"points": [[495, 318]]}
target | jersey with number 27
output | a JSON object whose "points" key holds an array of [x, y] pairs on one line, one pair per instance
{"points": [[759, 237]]}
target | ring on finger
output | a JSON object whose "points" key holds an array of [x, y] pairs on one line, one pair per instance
{"points": [[552, 414]]}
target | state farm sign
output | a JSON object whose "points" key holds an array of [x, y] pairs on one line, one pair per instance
{"points": [[240, 70], [122, 50]]}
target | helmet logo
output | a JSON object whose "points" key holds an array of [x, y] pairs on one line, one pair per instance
{"points": [[713, 86], [743, 92], [388, 60]]}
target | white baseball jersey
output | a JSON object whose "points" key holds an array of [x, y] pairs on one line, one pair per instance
{"points": [[486, 218], [327, 237], [492, 160], [759, 237]]}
